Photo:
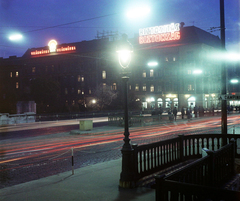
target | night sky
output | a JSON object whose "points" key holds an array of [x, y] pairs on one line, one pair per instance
{"points": [[77, 20]]}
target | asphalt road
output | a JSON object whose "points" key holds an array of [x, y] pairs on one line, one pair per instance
{"points": [[35, 153]]}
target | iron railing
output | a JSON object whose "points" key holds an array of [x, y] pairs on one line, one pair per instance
{"points": [[202, 179], [154, 157]]}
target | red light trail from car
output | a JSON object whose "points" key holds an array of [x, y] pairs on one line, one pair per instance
{"points": [[18, 153]]}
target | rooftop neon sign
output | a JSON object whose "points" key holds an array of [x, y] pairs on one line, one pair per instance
{"points": [[53, 48], [169, 32]]}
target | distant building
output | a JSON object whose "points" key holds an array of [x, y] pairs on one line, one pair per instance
{"points": [[180, 73]]}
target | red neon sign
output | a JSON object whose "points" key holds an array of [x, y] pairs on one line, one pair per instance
{"points": [[157, 34], [37, 52], [159, 38], [60, 49], [65, 49]]}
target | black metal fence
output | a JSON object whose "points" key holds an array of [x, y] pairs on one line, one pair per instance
{"points": [[202, 179]]}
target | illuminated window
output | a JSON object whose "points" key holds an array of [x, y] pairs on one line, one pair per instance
{"points": [[16, 74], [66, 91], [17, 85], [144, 74], [90, 91], [33, 69], [190, 88], [130, 86], [82, 79], [152, 88], [82, 92], [114, 86], [151, 73], [104, 86], [79, 78], [136, 87], [174, 58], [144, 87], [104, 74], [166, 59], [79, 91], [10, 74]]}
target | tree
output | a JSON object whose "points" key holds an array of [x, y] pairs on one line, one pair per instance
{"points": [[104, 96]]}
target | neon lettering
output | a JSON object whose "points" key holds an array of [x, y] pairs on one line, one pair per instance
{"points": [[162, 33], [37, 52], [159, 38]]}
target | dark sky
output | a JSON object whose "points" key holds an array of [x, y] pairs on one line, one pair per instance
{"points": [[76, 20]]}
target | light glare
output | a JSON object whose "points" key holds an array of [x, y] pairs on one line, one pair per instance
{"points": [[152, 63], [138, 12], [197, 71], [234, 81], [15, 37]]}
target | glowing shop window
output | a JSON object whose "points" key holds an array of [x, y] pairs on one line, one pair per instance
{"points": [[152, 88], [16, 74], [144, 87], [114, 86], [137, 87], [104, 74], [144, 74], [33, 69], [151, 73]]}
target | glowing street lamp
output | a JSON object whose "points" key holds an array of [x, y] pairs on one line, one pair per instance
{"points": [[152, 64], [234, 81], [15, 37], [138, 12], [127, 177], [197, 71]]}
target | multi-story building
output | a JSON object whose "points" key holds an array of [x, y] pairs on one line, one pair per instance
{"points": [[170, 68]]}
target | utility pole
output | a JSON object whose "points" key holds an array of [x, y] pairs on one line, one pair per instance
{"points": [[223, 72]]}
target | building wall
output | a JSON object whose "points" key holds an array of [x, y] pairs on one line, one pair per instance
{"points": [[92, 71]]}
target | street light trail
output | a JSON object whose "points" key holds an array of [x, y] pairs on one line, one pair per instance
{"points": [[38, 152]]}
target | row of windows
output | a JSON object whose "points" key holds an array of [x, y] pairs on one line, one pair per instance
{"points": [[79, 91]]}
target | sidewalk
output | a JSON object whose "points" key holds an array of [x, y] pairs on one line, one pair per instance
{"points": [[95, 182]]}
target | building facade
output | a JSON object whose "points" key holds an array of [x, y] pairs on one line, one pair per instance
{"points": [[170, 68]]}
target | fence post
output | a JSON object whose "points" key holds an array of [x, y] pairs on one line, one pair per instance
{"points": [[72, 163], [211, 167], [181, 139], [135, 160], [159, 192], [233, 155]]}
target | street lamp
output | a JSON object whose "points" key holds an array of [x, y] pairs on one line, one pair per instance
{"points": [[124, 51], [223, 76]]}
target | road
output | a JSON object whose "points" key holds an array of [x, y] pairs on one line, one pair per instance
{"points": [[47, 149]]}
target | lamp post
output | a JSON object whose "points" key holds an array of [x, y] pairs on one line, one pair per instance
{"points": [[124, 51], [223, 77]]}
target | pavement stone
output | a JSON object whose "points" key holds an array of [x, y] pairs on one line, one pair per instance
{"points": [[94, 182]]}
